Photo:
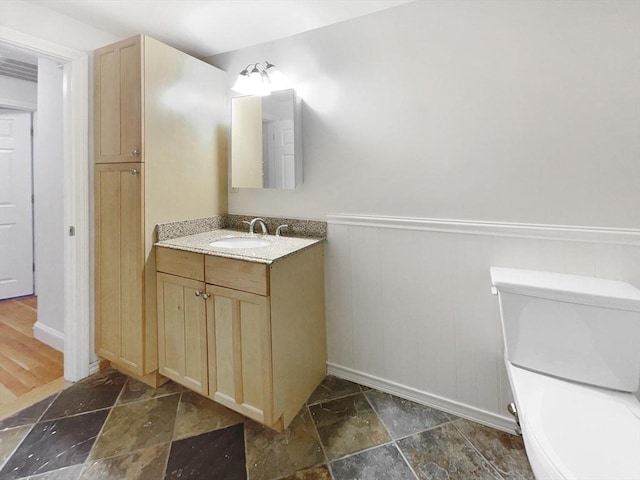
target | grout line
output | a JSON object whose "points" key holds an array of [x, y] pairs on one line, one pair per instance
{"points": [[327, 400], [395, 444], [324, 451], [475, 449], [18, 445]]}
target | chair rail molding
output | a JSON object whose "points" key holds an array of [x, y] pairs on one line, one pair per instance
{"points": [[621, 236]]}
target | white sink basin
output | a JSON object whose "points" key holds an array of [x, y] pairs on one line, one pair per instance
{"points": [[240, 242]]}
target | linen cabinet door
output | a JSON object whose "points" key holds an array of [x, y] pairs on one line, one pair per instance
{"points": [[118, 102], [119, 264], [182, 331], [239, 344]]}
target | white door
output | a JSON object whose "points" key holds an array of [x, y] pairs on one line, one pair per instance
{"points": [[16, 224], [285, 153]]}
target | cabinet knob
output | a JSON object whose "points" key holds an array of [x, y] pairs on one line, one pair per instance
{"points": [[198, 292], [205, 295], [135, 152], [134, 171]]}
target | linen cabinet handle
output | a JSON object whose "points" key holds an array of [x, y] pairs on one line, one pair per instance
{"points": [[134, 171], [135, 152], [205, 295], [198, 292]]}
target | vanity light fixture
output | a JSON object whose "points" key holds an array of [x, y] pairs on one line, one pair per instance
{"points": [[260, 79]]}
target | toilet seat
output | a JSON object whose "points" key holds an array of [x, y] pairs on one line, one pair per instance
{"points": [[576, 431]]}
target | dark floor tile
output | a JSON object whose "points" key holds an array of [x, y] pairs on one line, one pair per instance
{"points": [[331, 388], [29, 415], [146, 464], [316, 473], [93, 393], [10, 439], [505, 451], [54, 444], [348, 425], [443, 453], [217, 455], [197, 414], [273, 455], [403, 417], [381, 462], [135, 426], [135, 390], [68, 473]]}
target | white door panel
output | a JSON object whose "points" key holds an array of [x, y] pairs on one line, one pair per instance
{"points": [[16, 225]]}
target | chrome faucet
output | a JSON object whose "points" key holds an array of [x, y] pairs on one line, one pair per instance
{"points": [[259, 221], [280, 229]]}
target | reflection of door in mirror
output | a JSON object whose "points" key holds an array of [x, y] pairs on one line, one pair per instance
{"points": [[246, 142], [266, 149]]}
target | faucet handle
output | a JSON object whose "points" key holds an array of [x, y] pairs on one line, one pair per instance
{"points": [[280, 229]]}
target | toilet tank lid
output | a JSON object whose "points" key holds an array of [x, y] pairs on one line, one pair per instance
{"points": [[569, 288]]}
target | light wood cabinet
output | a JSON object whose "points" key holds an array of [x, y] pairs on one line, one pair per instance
{"points": [[182, 331], [119, 263], [265, 329], [171, 110]]}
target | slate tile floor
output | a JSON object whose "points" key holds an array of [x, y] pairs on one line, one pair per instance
{"points": [[113, 427]]}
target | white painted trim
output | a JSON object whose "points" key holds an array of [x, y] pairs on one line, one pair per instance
{"points": [[49, 336], [77, 315], [622, 236], [506, 424], [94, 367], [18, 104]]}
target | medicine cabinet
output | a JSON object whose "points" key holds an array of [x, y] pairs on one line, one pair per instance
{"points": [[266, 141]]}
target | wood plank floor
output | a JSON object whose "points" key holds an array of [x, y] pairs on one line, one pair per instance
{"points": [[26, 364]]}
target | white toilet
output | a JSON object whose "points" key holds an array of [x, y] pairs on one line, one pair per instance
{"points": [[572, 352]]}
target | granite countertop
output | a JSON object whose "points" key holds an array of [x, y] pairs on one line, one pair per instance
{"points": [[279, 248]]}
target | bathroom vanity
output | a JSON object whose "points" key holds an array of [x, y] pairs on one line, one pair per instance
{"points": [[243, 326]]}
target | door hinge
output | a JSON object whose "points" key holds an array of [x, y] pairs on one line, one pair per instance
{"points": [[72, 231], [34, 267], [32, 199]]}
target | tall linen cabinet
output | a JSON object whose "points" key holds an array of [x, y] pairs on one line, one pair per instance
{"points": [[160, 120]]}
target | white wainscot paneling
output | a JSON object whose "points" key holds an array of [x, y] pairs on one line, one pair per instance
{"points": [[409, 307]]}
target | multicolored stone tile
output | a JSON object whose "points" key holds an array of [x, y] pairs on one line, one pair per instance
{"points": [[348, 425], [146, 464], [135, 390], [213, 455], [273, 455], [381, 462], [137, 425], [10, 439], [197, 414], [55, 444], [316, 473], [67, 473], [505, 451], [443, 453], [403, 417], [94, 393], [332, 388], [29, 415]]}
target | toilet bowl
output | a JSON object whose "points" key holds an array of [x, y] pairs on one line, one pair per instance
{"points": [[572, 352]]}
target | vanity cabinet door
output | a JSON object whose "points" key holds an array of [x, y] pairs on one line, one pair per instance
{"points": [[119, 264], [239, 345], [182, 331]]}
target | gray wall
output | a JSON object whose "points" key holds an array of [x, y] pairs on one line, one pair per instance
{"points": [[474, 118], [518, 111]]}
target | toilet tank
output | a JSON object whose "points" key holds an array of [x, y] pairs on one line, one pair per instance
{"points": [[578, 328]]}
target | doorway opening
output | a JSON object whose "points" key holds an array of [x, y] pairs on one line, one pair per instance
{"points": [[74, 174]]}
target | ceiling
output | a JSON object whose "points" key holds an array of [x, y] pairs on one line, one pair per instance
{"points": [[206, 27]]}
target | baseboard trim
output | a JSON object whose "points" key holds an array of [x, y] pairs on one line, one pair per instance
{"points": [[489, 419], [48, 336], [621, 236]]}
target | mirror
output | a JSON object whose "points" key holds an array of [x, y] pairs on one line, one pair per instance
{"points": [[266, 141]]}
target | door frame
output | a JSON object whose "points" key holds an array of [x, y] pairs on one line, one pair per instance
{"points": [[77, 280]]}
